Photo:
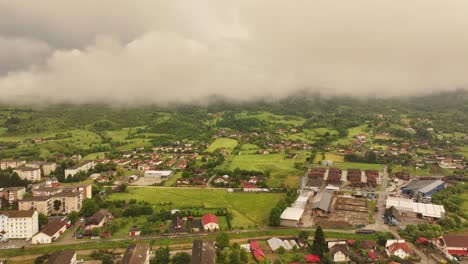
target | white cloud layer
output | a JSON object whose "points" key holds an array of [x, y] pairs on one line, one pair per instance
{"points": [[119, 51]]}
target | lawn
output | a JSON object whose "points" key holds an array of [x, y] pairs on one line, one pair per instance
{"points": [[356, 165], [248, 209], [328, 156], [173, 179], [93, 156], [420, 172], [227, 143], [278, 166], [249, 149]]}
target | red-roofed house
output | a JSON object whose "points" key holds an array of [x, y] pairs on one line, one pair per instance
{"points": [[311, 258], [253, 188], [398, 248], [454, 244], [210, 222]]}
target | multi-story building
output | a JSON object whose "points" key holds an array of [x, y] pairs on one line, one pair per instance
{"points": [[18, 224], [46, 167], [45, 191], [85, 166], [60, 203], [5, 164], [12, 194], [27, 173]]}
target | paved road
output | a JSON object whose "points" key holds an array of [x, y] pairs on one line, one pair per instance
{"points": [[382, 194], [424, 257]]}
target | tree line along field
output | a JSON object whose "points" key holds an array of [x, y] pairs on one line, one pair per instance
{"points": [[248, 209]]}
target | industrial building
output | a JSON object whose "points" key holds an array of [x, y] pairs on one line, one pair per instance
{"points": [[422, 188], [409, 208], [292, 216]]}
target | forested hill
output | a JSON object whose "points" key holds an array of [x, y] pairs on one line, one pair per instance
{"points": [[448, 110]]}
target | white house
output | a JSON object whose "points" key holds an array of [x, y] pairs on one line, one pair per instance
{"points": [[339, 251], [18, 224], [50, 233], [398, 248], [27, 173], [210, 222]]}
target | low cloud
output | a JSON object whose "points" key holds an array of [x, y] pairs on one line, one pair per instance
{"points": [[161, 51]]}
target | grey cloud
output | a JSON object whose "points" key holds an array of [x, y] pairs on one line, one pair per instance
{"points": [[160, 51]]}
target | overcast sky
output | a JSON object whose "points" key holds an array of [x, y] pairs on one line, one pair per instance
{"points": [[153, 51]]}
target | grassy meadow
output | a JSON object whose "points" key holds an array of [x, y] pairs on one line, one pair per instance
{"points": [[227, 143], [248, 209], [279, 167]]}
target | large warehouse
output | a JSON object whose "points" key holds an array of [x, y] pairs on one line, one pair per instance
{"points": [[292, 216], [410, 208], [423, 188]]}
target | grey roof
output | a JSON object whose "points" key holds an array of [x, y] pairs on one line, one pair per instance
{"points": [[275, 243], [323, 200], [203, 252], [62, 257], [135, 254], [422, 186]]}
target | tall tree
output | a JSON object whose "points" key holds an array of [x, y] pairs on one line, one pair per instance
{"points": [[163, 255], [181, 258], [319, 246], [222, 240]]}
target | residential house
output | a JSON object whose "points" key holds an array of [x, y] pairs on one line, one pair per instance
{"points": [[134, 232], [398, 248], [144, 167], [210, 222], [98, 219], [339, 251], [63, 257], [196, 226], [50, 233], [136, 254], [27, 173], [18, 224], [253, 188], [203, 252], [455, 245]]}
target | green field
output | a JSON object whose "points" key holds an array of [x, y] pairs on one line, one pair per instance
{"points": [[352, 133], [272, 118], [328, 156], [357, 165], [420, 172], [227, 143], [249, 149], [248, 209], [277, 164]]}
